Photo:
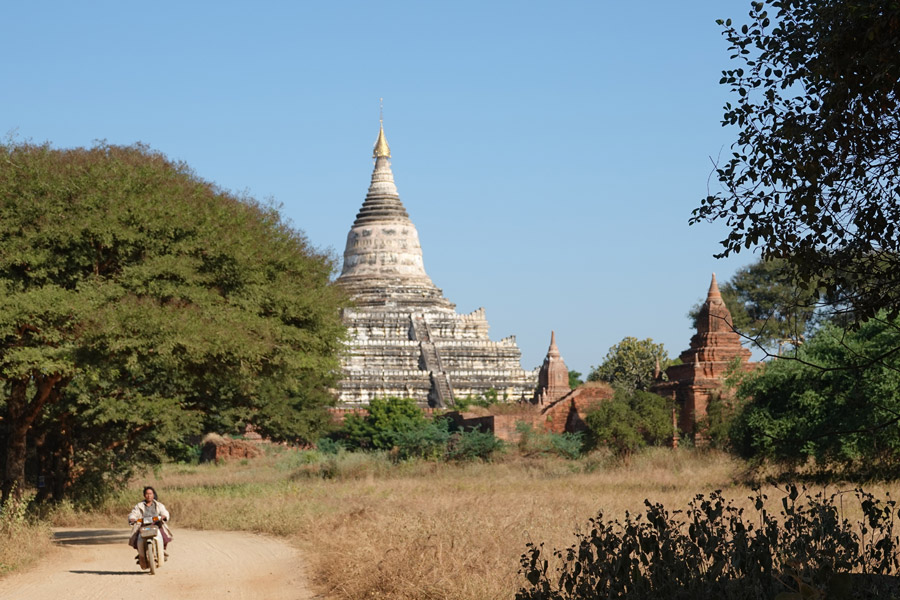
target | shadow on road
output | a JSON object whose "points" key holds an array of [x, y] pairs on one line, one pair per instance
{"points": [[90, 537], [107, 572]]}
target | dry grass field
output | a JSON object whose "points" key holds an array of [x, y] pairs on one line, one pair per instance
{"points": [[373, 529]]}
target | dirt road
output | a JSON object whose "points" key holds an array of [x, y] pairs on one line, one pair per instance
{"points": [[97, 564]]}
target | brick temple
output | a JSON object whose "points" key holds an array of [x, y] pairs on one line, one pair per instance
{"points": [[714, 350], [406, 338]]}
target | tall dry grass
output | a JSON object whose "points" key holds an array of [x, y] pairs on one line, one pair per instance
{"points": [[23, 540], [373, 529]]}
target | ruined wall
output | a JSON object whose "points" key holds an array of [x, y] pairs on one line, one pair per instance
{"points": [[566, 415]]}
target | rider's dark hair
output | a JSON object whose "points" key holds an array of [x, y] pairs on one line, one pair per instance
{"points": [[155, 496]]}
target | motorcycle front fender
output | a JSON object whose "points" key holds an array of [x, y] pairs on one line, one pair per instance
{"points": [[159, 550]]}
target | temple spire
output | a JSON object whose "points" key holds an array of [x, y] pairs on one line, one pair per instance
{"points": [[383, 257], [553, 351], [381, 146], [713, 290]]}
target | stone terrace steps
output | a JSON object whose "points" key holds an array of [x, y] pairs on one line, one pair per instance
{"points": [[440, 380]]}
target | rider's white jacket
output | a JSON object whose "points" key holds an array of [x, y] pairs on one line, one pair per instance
{"points": [[138, 511]]}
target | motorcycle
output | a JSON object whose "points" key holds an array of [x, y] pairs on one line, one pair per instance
{"points": [[151, 549]]}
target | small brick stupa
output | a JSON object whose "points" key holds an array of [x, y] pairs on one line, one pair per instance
{"points": [[714, 349], [553, 378]]}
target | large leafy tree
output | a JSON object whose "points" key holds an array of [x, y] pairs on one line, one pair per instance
{"points": [[140, 304], [632, 364], [843, 417], [814, 176], [766, 306]]}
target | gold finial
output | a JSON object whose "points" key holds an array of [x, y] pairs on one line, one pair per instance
{"points": [[381, 145]]}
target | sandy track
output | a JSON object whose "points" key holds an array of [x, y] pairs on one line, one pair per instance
{"points": [[97, 564]]}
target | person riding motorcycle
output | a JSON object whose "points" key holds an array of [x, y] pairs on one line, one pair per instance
{"points": [[150, 506]]}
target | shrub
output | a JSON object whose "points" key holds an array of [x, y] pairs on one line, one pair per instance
{"points": [[630, 421], [567, 445], [329, 446], [484, 400], [180, 451], [25, 539], [427, 440], [711, 551], [345, 466], [13, 514], [838, 404], [473, 445], [536, 443]]}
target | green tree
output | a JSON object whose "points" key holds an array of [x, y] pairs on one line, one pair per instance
{"points": [[140, 304], [814, 176], [844, 411], [630, 421], [632, 364], [575, 379], [766, 306]]}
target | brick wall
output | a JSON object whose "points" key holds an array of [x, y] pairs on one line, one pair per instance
{"points": [[564, 415]]}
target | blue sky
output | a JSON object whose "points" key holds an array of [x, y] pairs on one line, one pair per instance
{"points": [[549, 154]]}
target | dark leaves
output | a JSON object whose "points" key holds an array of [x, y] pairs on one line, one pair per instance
{"points": [[818, 112], [713, 550]]}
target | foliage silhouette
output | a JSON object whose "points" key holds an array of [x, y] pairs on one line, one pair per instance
{"points": [[814, 175], [713, 550]]}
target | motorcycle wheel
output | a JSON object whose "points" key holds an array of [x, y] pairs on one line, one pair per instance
{"points": [[151, 557]]}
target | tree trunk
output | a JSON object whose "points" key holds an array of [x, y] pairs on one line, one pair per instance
{"points": [[58, 477], [17, 430], [43, 456], [21, 415]]}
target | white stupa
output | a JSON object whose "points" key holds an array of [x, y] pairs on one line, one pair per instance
{"points": [[407, 339]]}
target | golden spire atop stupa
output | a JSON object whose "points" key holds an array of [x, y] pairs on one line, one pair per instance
{"points": [[381, 145]]}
